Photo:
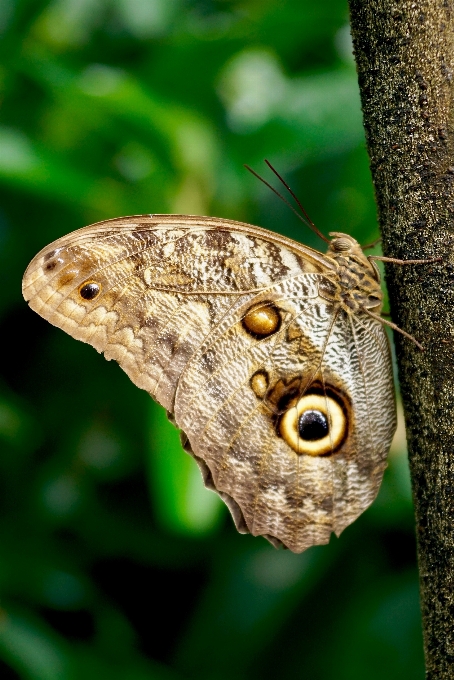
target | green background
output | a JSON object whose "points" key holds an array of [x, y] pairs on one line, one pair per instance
{"points": [[114, 561]]}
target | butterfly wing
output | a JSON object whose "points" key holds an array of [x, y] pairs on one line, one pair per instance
{"points": [[169, 298], [236, 433], [161, 282]]}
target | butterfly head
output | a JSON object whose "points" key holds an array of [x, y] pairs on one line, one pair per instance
{"points": [[345, 250], [343, 244]]}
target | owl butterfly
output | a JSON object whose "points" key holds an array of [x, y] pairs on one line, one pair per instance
{"points": [[268, 355]]}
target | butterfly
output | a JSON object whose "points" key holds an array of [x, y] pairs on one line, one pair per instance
{"points": [[269, 356]]}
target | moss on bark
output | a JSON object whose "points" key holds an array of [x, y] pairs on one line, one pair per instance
{"points": [[405, 59]]}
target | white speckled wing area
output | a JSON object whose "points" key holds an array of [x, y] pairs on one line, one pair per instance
{"points": [[173, 295]]}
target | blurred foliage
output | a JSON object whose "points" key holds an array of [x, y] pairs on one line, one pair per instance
{"points": [[114, 561]]}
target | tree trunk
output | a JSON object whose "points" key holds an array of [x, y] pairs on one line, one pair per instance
{"points": [[404, 52]]}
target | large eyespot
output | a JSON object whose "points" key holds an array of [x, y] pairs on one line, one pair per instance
{"points": [[263, 320], [315, 425], [89, 290]]}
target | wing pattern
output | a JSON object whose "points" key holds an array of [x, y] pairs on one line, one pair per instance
{"points": [[168, 296]]}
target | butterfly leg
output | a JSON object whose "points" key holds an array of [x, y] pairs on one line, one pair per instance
{"points": [[394, 327], [396, 261]]}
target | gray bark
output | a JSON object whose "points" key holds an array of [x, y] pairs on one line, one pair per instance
{"points": [[404, 52]]}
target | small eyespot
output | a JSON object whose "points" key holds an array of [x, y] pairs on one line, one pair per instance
{"points": [[341, 244], [89, 290], [51, 254], [316, 425], [262, 321], [259, 383], [51, 262]]}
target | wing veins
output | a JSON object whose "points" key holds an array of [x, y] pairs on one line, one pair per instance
{"points": [[245, 420], [274, 337], [360, 363]]}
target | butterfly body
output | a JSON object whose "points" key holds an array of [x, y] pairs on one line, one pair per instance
{"points": [[260, 348]]}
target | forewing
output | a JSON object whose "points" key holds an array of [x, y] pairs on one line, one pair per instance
{"points": [[164, 283]]}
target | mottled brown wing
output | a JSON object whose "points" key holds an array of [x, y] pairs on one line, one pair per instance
{"points": [[271, 489], [164, 282], [167, 297]]}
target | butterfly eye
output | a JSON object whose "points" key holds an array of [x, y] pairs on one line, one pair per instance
{"points": [[341, 244], [315, 425], [262, 321], [89, 290]]}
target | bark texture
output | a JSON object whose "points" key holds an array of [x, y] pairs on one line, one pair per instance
{"points": [[405, 52]]}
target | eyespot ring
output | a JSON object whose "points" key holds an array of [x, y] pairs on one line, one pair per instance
{"points": [[315, 425], [89, 290]]}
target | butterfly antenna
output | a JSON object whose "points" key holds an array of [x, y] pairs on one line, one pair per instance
{"points": [[298, 202], [275, 191]]}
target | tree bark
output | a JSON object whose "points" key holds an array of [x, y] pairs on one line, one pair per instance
{"points": [[404, 52]]}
